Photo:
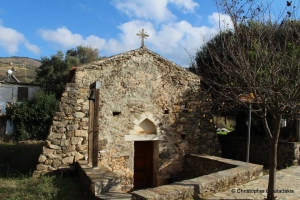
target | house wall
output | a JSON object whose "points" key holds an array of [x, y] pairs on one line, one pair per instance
{"points": [[140, 85], [9, 93]]}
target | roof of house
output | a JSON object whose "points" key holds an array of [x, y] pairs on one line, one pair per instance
{"points": [[23, 84]]}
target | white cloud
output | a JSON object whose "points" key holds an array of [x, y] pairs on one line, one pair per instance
{"points": [[220, 21], [185, 5], [171, 40], [169, 37], [178, 40], [11, 39], [127, 39], [155, 9], [33, 48], [145, 9], [65, 38]]}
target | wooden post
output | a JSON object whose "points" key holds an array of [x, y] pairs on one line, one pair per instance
{"points": [[93, 124], [91, 128], [96, 129]]}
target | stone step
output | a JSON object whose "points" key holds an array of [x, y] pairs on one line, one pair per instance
{"points": [[99, 180], [114, 195], [164, 192]]}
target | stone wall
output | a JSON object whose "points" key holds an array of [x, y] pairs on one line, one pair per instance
{"points": [[67, 140], [236, 148], [196, 166], [200, 187], [138, 85]]}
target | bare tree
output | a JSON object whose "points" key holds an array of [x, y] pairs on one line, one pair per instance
{"points": [[258, 57]]}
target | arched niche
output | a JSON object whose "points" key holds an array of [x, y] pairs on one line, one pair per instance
{"points": [[145, 127]]}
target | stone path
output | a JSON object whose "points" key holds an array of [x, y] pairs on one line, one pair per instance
{"points": [[287, 182]]}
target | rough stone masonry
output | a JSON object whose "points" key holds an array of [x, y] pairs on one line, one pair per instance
{"points": [[143, 97]]}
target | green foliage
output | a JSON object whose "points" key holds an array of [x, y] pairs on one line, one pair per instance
{"points": [[52, 74], [81, 55], [32, 118]]}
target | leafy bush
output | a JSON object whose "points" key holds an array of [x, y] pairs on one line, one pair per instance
{"points": [[32, 118]]}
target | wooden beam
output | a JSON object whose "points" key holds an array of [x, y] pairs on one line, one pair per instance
{"points": [[96, 128], [91, 131]]}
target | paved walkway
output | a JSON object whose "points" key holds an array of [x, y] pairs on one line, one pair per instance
{"points": [[287, 186]]}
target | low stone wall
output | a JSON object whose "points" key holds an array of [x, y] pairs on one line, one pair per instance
{"points": [[236, 148], [199, 166], [200, 187]]}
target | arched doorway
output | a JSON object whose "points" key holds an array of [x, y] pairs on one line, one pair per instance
{"points": [[144, 173]]}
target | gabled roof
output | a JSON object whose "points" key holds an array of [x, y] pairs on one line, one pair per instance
{"points": [[140, 50]]}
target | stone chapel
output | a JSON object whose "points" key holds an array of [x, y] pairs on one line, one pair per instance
{"points": [[136, 114]]}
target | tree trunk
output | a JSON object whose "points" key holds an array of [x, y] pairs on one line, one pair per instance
{"points": [[272, 168]]}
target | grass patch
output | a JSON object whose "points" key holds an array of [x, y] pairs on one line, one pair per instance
{"points": [[27, 188], [44, 187], [18, 161]]}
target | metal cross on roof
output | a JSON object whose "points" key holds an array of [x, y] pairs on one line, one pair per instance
{"points": [[142, 35]]}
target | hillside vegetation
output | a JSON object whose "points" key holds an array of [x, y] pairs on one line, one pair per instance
{"points": [[24, 68]]}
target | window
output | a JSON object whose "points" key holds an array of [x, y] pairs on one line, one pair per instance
{"points": [[22, 93], [116, 113]]}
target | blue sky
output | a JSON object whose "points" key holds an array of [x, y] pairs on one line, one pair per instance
{"points": [[36, 28]]}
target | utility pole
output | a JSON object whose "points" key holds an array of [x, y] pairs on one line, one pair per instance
{"points": [[249, 98]]}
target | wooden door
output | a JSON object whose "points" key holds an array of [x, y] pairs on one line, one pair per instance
{"points": [[143, 164]]}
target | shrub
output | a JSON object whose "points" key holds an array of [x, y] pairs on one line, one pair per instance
{"points": [[32, 118]]}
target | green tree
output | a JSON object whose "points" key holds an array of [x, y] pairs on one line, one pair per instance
{"points": [[82, 55], [32, 118], [258, 57], [52, 74]]}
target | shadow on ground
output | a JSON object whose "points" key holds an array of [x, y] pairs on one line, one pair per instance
{"points": [[19, 158]]}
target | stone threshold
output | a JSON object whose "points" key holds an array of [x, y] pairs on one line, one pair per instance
{"points": [[203, 186]]}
